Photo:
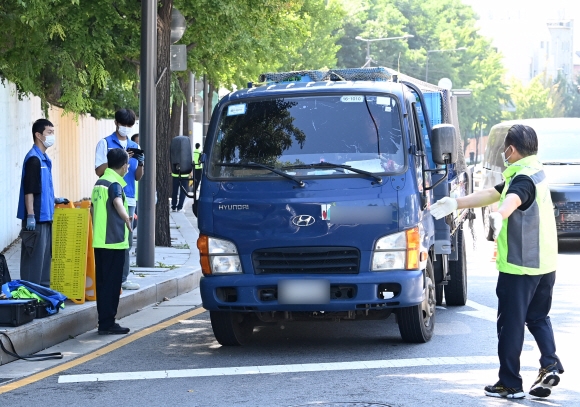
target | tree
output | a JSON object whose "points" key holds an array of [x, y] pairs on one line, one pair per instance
{"points": [[163, 124], [568, 97], [321, 24], [436, 25], [78, 57], [533, 100]]}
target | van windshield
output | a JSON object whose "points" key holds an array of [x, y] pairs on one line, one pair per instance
{"points": [[360, 131], [559, 146]]}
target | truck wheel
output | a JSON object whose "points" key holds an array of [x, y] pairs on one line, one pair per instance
{"points": [[456, 288], [231, 328], [417, 323]]}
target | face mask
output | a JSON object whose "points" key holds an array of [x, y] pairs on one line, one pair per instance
{"points": [[505, 159], [124, 131], [49, 141]]}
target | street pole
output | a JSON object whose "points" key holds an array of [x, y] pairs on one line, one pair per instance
{"points": [[191, 107], [427, 68], [206, 108], [147, 132], [368, 61]]}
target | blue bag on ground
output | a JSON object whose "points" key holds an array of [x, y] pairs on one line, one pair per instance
{"points": [[53, 299]]}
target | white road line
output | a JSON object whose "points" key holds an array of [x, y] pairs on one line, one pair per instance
{"points": [[297, 368], [481, 311]]}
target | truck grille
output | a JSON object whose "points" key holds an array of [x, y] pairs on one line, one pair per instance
{"points": [[307, 260], [568, 219]]}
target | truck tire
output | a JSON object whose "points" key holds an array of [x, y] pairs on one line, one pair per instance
{"points": [[456, 288], [417, 323], [231, 328]]}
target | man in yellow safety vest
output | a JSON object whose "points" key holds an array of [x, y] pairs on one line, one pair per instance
{"points": [[527, 248], [111, 227]]}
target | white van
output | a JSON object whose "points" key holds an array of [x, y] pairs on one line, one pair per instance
{"points": [[559, 152]]}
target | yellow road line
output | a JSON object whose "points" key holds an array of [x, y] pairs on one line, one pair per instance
{"points": [[103, 351]]}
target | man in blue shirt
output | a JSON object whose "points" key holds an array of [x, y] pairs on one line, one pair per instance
{"points": [[36, 206], [124, 121]]}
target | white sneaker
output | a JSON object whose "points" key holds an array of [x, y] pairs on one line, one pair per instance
{"points": [[547, 378], [129, 285]]}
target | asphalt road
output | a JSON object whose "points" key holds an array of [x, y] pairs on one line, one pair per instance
{"points": [[346, 364]]}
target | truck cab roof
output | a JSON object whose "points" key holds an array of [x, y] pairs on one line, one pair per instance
{"points": [[290, 88], [352, 80]]}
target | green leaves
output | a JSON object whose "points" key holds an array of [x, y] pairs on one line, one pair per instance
{"points": [[67, 53], [439, 26], [533, 100]]}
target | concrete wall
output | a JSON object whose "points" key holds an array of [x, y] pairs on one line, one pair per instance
{"points": [[73, 153], [15, 141]]}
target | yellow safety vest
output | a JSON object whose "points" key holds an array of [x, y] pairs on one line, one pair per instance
{"points": [[528, 240], [109, 229]]}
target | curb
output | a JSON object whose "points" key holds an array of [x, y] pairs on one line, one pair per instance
{"points": [[77, 319]]}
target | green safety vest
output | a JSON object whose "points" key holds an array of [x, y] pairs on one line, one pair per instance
{"points": [[196, 157], [528, 240], [109, 229]]}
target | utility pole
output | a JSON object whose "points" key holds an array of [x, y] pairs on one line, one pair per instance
{"points": [[206, 108], [191, 107], [147, 133]]}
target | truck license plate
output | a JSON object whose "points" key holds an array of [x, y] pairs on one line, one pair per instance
{"points": [[304, 292]]}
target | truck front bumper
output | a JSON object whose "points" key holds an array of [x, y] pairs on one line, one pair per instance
{"points": [[348, 292]]}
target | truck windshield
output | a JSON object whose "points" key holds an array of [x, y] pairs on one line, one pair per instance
{"points": [[288, 134]]}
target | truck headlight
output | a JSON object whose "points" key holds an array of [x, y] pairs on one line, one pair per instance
{"points": [[397, 251], [218, 256]]}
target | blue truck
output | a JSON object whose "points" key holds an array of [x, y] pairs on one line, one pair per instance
{"points": [[314, 203]]}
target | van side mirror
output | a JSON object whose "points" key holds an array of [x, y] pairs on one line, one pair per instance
{"points": [[444, 144], [180, 155]]}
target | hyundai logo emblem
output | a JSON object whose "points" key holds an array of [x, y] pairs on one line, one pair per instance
{"points": [[303, 220]]}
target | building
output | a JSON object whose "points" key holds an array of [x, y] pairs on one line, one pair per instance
{"points": [[560, 50], [534, 39]]}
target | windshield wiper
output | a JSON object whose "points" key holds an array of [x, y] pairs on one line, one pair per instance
{"points": [[266, 167], [325, 164]]}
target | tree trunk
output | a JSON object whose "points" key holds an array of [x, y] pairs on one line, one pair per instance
{"points": [[175, 118], [162, 234], [210, 101]]}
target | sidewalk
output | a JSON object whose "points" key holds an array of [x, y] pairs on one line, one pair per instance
{"points": [[177, 272]]}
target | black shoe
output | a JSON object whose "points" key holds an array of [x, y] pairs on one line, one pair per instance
{"points": [[114, 330], [499, 390], [547, 378]]}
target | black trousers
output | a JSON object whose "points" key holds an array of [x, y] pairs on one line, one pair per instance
{"points": [[524, 300], [108, 275], [176, 182]]}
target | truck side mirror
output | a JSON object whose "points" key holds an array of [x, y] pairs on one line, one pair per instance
{"points": [[444, 144], [180, 155]]}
